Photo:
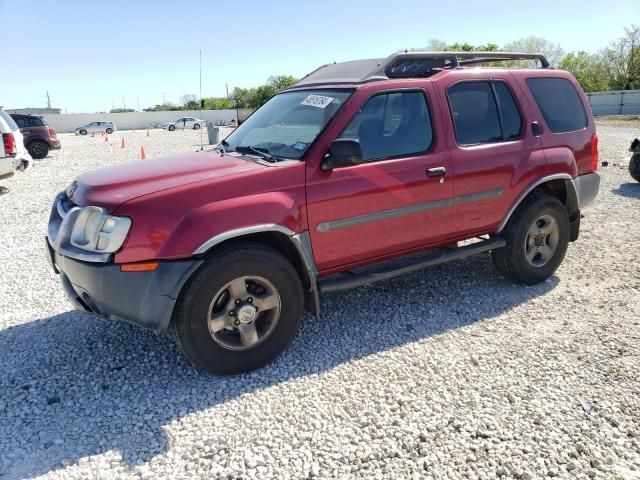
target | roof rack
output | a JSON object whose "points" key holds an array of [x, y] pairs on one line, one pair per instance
{"points": [[407, 65]]}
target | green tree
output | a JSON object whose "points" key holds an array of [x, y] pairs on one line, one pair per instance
{"points": [[121, 110], [532, 44], [588, 70], [217, 103], [622, 60]]}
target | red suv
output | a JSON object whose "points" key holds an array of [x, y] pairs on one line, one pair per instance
{"points": [[361, 171]]}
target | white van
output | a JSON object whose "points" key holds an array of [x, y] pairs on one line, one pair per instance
{"points": [[13, 154]]}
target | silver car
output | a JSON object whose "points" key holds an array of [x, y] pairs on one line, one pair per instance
{"points": [[185, 122], [97, 127]]}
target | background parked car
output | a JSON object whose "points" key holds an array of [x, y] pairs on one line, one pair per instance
{"points": [[185, 122], [13, 154], [39, 137], [97, 127]]}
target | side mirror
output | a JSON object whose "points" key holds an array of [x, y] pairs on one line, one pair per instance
{"points": [[343, 152]]}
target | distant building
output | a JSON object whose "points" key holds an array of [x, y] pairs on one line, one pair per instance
{"points": [[35, 111]]}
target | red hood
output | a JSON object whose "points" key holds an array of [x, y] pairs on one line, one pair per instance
{"points": [[111, 186]]}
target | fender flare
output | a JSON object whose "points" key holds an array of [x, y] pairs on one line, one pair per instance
{"points": [[300, 241], [572, 195]]}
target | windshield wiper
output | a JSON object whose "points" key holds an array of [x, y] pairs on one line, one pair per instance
{"points": [[261, 152]]}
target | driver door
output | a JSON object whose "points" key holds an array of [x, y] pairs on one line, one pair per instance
{"points": [[397, 200]]}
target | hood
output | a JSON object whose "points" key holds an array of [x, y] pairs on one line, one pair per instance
{"points": [[112, 186]]}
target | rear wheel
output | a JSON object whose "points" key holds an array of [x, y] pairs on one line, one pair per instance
{"points": [[82, 132], [240, 311], [109, 131], [634, 167], [537, 237], [196, 126], [38, 149]]}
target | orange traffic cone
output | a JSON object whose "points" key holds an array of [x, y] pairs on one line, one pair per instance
{"points": [[122, 144], [106, 139], [142, 155]]}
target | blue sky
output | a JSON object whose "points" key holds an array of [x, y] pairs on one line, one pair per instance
{"points": [[89, 54]]}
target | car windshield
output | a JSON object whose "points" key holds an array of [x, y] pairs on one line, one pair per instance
{"points": [[287, 124]]}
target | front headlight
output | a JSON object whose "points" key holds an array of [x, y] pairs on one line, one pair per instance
{"points": [[94, 230]]}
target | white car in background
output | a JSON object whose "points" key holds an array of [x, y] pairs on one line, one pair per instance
{"points": [[13, 154], [185, 122], [97, 127]]}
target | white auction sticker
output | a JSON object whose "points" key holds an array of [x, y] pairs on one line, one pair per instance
{"points": [[317, 101]]}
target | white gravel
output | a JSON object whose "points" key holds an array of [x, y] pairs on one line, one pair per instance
{"points": [[448, 373]]}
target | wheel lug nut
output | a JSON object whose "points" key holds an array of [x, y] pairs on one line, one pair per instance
{"points": [[237, 322], [231, 313], [237, 302], [250, 300]]}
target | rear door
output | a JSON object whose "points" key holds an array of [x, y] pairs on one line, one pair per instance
{"points": [[492, 148], [391, 203]]}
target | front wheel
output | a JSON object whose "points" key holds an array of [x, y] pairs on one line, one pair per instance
{"points": [[634, 167], [196, 126], [240, 311], [537, 238], [82, 132], [172, 128]]}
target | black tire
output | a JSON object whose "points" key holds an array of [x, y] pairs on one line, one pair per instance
{"points": [[171, 128], [511, 260], [38, 149], [634, 167], [196, 126], [109, 131], [190, 319], [82, 132]]}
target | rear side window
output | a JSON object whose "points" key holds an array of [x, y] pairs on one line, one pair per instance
{"points": [[392, 125], [559, 104], [34, 122], [474, 112], [20, 121], [7, 118]]}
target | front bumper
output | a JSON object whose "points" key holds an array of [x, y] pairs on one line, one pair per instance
{"points": [[54, 144], [145, 299]]}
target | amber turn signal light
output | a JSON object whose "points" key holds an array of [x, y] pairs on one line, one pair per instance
{"points": [[139, 267]]}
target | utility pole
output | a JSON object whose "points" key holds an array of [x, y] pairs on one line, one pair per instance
{"points": [[123, 105], [138, 98], [164, 100], [226, 85], [48, 100]]}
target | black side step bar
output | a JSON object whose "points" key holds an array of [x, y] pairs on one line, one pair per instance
{"points": [[441, 256]]}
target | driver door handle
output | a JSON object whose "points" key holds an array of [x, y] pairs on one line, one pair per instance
{"points": [[436, 172]]}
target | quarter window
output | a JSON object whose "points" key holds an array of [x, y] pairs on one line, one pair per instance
{"points": [[483, 112], [511, 119], [559, 104], [392, 125]]}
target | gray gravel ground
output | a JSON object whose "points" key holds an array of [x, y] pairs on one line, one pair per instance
{"points": [[448, 373]]}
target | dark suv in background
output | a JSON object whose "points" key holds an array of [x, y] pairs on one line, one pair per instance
{"points": [[39, 137]]}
